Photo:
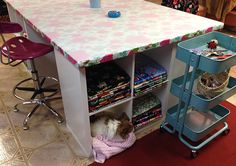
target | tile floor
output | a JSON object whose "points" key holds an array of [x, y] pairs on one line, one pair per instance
{"points": [[47, 142]]}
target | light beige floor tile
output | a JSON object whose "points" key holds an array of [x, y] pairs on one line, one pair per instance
{"points": [[82, 161], [8, 147], [11, 73], [56, 153], [9, 100], [4, 123], [8, 85], [70, 140], [38, 135], [13, 162], [2, 108], [7, 36]]}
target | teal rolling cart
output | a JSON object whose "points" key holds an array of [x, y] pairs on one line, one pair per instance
{"points": [[198, 119]]}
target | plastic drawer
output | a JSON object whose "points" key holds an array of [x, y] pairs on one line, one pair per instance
{"points": [[197, 124], [200, 102], [227, 42]]}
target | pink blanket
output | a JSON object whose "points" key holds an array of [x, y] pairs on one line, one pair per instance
{"points": [[104, 148]]}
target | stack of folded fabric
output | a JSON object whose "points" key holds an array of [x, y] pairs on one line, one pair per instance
{"points": [[146, 109], [106, 83], [148, 75]]}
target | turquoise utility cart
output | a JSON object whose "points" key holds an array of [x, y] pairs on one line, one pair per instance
{"points": [[196, 118]]}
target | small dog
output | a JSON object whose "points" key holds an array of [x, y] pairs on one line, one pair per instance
{"points": [[111, 126]]}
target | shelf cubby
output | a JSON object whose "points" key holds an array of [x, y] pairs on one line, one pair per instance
{"points": [[146, 109], [108, 84], [148, 75], [158, 87]]}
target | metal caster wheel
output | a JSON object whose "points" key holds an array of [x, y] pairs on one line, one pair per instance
{"points": [[16, 110], [25, 127], [162, 130], [194, 154], [226, 132], [60, 121]]}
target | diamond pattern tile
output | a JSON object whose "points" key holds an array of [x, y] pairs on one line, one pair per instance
{"points": [[38, 134], [8, 147], [56, 153], [4, 123]]}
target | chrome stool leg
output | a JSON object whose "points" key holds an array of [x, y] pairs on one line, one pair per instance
{"points": [[38, 96], [16, 109], [25, 123], [59, 117]]}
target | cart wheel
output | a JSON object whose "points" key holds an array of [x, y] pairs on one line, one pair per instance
{"points": [[226, 132], [162, 130], [194, 154]]}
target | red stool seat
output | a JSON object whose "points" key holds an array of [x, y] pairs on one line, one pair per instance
{"points": [[23, 49]]}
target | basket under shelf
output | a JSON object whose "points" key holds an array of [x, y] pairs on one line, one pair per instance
{"points": [[198, 101]]}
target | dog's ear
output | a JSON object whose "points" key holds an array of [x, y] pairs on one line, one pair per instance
{"points": [[124, 116]]}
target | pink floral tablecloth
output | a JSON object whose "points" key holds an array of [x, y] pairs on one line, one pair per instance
{"points": [[86, 36]]}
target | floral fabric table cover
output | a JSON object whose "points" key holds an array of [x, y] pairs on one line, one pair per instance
{"points": [[86, 36]]}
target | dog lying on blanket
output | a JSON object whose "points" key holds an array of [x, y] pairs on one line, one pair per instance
{"points": [[110, 125], [111, 135]]}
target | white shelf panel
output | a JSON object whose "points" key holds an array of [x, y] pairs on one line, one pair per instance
{"points": [[111, 106]]}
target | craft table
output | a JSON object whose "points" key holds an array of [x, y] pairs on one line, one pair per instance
{"points": [[83, 37]]}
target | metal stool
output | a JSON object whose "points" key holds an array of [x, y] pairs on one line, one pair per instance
{"points": [[17, 50]]}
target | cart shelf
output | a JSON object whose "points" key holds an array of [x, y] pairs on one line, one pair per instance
{"points": [[198, 101], [186, 54], [197, 124]]}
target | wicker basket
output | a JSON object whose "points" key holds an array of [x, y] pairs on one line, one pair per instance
{"points": [[211, 85]]}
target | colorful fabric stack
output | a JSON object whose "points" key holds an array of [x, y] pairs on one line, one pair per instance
{"points": [[106, 84], [190, 6], [148, 75], [146, 109]]}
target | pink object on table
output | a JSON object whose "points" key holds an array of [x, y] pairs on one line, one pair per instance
{"points": [[104, 148]]}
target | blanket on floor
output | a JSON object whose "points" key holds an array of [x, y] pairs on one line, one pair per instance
{"points": [[104, 148]]}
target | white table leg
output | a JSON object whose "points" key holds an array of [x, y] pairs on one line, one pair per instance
{"points": [[74, 96]]}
